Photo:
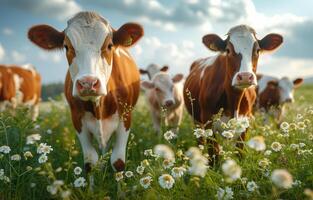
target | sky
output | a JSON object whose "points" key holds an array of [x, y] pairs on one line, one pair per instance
{"points": [[173, 31]]}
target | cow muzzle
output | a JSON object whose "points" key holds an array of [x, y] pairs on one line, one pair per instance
{"points": [[88, 86], [244, 80]]}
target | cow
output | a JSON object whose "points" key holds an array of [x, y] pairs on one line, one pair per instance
{"points": [[102, 83], [227, 80], [165, 94], [26, 87], [274, 93], [8, 88], [152, 69]]}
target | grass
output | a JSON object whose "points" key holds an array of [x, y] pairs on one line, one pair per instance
{"points": [[29, 179]]}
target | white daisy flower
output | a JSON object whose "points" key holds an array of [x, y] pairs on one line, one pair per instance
{"points": [[267, 152], [52, 189], [231, 169], [16, 157], [31, 139], [43, 148], [252, 186], [168, 163], [257, 143], [28, 154], [178, 172], [77, 170], [164, 151], [5, 149], [229, 134], [282, 178], [148, 152], [43, 158], [264, 163], [129, 174], [276, 146], [119, 176], [284, 126], [225, 194], [140, 169], [169, 135], [80, 182], [166, 181], [49, 131], [145, 182]]}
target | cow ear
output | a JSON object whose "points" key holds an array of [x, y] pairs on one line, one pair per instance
{"points": [[214, 42], [177, 78], [146, 85], [297, 82], [271, 42], [128, 34], [164, 68], [272, 84], [142, 71], [46, 37]]}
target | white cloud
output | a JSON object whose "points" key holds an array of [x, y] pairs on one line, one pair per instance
{"points": [[54, 57], [18, 57], [56, 9], [7, 31], [2, 52]]}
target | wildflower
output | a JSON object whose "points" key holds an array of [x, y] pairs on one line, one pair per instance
{"points": [[52, 189], [166, 181], [16, 157], [59, 169], [276, 146], [192, 152], [140, 170], [43, 148], [49, 131], [148, 152], [231, 169], [197, 161], [198, 132], [294, 146], [252, 186], [241, 124], [77, 170], [42, 159], [145, 182], [145, 163], [31, 139], [119, 176], [178, 172], [65, 194], [296, 183], [301, 125], [228, 134], [310, 137], [164, 151], [37, 126], [5, 149], [28, 154], [80, 182], [1, 172], [267, 152], [264, 163], [129, 174], [257, 143], [168, 163], [28, 168], [301, 145], [179, 153], [284, 126], [282, 178], [169, 135], [225, 194], [292, 126]]}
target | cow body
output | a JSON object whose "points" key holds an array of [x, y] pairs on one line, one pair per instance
{"points": [[102, 84], [26, 83], [274, 93], [226, 81], [165, 98], [7, 88]]}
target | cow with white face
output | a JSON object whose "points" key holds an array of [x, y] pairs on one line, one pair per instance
{"points": [[165, 93], [153, 69], [102, 80], [274, 93]]}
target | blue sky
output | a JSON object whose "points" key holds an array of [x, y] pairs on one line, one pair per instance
{"points": [[173, 30]]}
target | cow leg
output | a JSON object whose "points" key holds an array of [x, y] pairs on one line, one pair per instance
{"points": [[119, 148]]}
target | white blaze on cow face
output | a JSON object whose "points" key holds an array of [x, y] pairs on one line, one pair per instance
{"points": [[243, 40], [286, 89], [87, 37]]}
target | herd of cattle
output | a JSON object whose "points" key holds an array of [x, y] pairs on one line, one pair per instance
{"points": [[103, 82]]}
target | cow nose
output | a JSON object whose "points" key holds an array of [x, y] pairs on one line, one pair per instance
{"points": [[289, 100], [169, 103], [245, 78], [88, 83]]}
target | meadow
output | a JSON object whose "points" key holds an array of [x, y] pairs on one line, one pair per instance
{"points": [[43, 159]]}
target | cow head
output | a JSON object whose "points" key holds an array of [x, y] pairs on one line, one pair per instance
{"points": [[163, 85], [242, 50], [89, 42], [152, 69], [286, 89]]}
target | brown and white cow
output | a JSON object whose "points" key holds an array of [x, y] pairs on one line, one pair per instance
{"points": [[274, 93], [26, 87], [8, 88], [164, 92], [102, 84], [228, 79], [153, 69]]}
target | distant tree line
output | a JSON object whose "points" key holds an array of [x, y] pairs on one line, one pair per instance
{"points": [[51, 90]]}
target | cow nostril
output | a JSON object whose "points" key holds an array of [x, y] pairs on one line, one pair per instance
{"points": [[96, 84], [239, 77], [79, 85], [169, 103]]}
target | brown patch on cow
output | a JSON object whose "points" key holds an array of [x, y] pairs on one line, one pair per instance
{"points": [[270, 96], [46, 37], [123, 91], [7, 84], [119, 165]]}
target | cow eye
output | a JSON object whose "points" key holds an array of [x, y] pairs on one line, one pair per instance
{"points": [[227, 51], [66, 47], [110, 46]]}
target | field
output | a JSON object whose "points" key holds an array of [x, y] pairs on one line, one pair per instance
{"points": [[26, 174]]}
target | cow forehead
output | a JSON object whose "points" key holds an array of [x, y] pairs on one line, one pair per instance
{"points": [[243, 41], [286, 84], [162, 80], [85, 34]]}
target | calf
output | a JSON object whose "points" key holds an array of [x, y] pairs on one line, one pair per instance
{"points": [[165, 92], [21, 86], [228, 79], [153, 69], [102, 84], [275, 93]]}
